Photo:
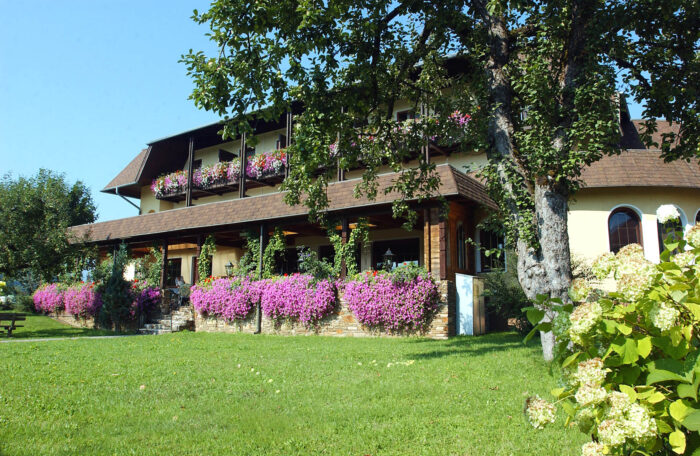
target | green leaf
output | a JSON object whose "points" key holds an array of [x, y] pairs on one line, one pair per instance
{"points": [[679, 410], [570, 359], [629, 391], [656, 398], [644, 346], [692, 421], [530, 335], [677, 441], [535, 315], [624, 329], [630, 356]]}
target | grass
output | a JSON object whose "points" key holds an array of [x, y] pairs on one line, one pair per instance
{"points": [[39, 326], [185, 394]]}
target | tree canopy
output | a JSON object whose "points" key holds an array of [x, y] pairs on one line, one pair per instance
{"points": [[35, 214], [562, 62]]}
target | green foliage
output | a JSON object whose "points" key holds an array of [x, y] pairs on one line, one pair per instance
{"points": [[310, 264], [249, 262], [347, 252], [505, 298], [631, 360], [205, 257], [148, 268], [35, 214], [116, 298], [275, 246]]}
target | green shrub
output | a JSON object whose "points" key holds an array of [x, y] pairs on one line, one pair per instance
{"points": [[631, 360], [505, 299], [116, 297]]}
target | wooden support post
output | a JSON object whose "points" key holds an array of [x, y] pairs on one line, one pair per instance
{"points": [[244, 165], [199, 251], [442, 225], [344, 234], [426, 240], [425, 149], [289, 141], [263, 242], [190, 172], [164, 270]]}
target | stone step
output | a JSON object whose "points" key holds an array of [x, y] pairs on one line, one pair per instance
{"points": [[154, 332]]}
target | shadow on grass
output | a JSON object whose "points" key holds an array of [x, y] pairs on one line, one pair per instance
{"points": [[473, 345], [39, 327]]}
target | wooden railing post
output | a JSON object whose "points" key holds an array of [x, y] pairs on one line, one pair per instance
{"points": [[190, 172], [244, 165]]}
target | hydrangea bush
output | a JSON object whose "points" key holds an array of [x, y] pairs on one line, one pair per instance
{"points": [[227, 298], [48, 298], [630, 360], [298, 297], [404, 299]]}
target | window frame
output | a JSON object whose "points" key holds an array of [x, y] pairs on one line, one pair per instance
{"points": [[623, 208]]}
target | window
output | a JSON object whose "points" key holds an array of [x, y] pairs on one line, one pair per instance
{"points": [[281, 142], [669, 229], [490, 250], [197, 164], [287, 262], [173, 271], [225, 155], [697, 217], [624, 227], [461, 247], [193, 272], [404, 250], [408, 114]]}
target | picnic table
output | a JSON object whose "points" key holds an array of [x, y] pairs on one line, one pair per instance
{"points": [[11, 320]]}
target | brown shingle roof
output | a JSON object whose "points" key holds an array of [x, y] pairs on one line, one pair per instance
{"points": [[130, 174], [662, 127], [265, 207], [641, 168]]}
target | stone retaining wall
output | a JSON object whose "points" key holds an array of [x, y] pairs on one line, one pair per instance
{"points": [[73, 320], [341, 323]]}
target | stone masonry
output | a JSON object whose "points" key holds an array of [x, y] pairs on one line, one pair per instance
{"points": [[341, 323]]}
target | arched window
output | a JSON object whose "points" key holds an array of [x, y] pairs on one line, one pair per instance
{"points": [[624, 227], [697, 217]]}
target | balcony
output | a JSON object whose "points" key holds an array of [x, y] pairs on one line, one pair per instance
{"points": [[265, 169]]}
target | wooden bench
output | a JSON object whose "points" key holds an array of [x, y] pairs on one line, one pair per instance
{"points": [[11, 319]]}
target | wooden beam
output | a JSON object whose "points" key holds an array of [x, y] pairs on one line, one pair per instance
{"points": [[426, 240], [199, 252], [164, 269], [442, 225], [244, 165], [289, 141], [190, 172], [344, 231]]}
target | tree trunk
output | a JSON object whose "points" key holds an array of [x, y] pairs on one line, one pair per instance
{"points": [[544, 269]]}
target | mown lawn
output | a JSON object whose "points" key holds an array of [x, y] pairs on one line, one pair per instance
{"points": [[39, 326], [211, 394]]}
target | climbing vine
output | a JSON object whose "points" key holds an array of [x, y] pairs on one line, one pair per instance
{"points": [[205, 256], [347, 251]]}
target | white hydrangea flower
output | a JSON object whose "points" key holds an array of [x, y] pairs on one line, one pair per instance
{"points": [[539, 412], [583, 319], [693, 236], [612, 432], [590, 372], [666, 213], [590, 395], [580, 290], [630, 251], [639, 424], [619, 403], [684, 259], [604, 265], [632, 286], [664, 316], [592, 449]]}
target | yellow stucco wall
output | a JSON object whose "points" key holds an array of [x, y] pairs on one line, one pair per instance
{"points": [[590, 209]]}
